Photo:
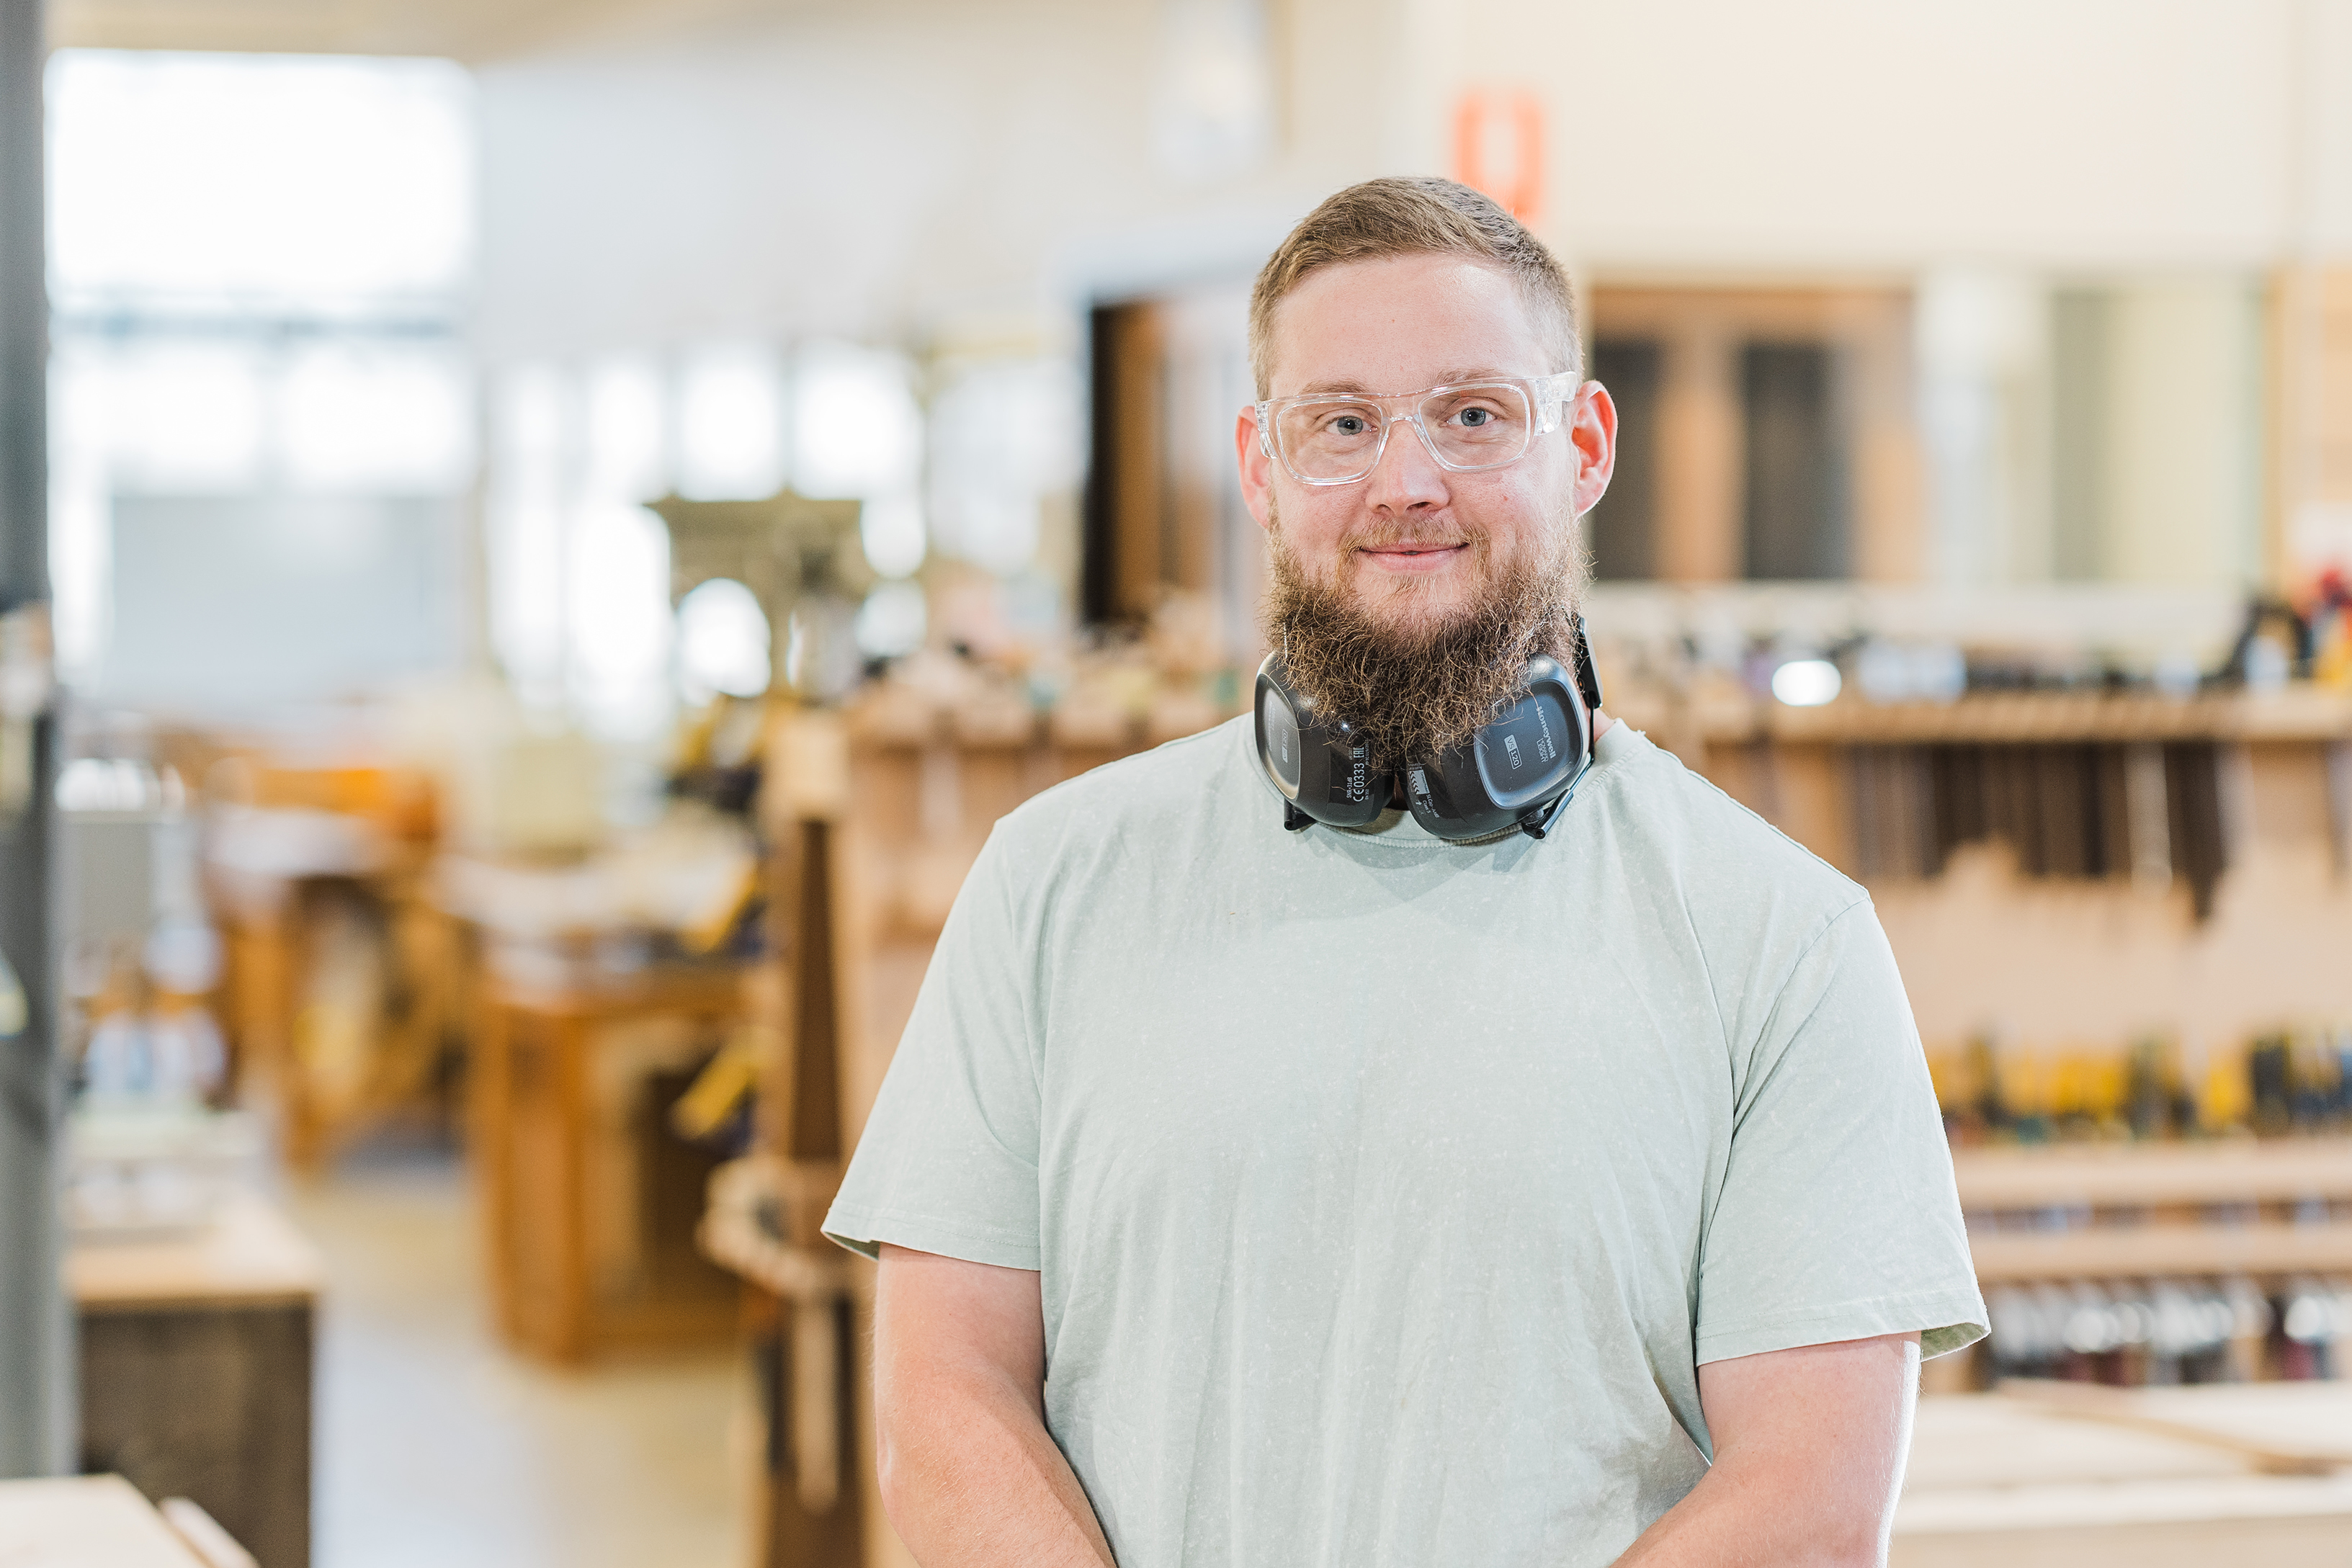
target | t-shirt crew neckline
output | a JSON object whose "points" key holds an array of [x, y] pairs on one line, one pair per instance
{"points": [[1398, 829]]}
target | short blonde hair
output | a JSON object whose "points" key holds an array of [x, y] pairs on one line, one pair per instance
{"points": [[1419, 216]]}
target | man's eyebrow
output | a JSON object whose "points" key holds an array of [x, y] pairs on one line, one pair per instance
{"points": [[1347, 387]]}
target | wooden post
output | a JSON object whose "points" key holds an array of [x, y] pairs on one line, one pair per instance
{"points": [[1698, 538], [491, 1146], [815, 1516], [567, 1052]]}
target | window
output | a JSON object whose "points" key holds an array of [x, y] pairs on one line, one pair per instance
{"points": [[257, 349]]}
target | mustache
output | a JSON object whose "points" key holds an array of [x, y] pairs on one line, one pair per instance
{"points": [[1393, 534]]}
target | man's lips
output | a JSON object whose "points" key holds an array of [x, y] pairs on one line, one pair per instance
{"points": [[1413, 555]]}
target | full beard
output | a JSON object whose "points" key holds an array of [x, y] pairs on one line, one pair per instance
{"points": [[1413, 686]]}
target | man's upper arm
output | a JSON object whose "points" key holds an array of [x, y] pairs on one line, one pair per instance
{"points": [[1827, 1422], [937, 1316], [1835, 1411]]}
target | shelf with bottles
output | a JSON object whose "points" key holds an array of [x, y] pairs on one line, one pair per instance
{"points": [[2140, 1265], [2136, 1220], [2287, 1083], [2231, 1206], [1723, 713], [2298, 711], [2169, 1330], [1861, 663]]}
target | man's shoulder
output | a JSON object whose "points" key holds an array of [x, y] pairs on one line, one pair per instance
{"points": [[1682, 826]]}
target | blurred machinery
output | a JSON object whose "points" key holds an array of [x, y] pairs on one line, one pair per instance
{"points": [[802, 560]]}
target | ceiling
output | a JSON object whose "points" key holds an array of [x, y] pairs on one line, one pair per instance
{"points": [[474, 31]]}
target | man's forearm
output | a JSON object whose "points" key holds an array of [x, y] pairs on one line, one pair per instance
{"points": [[971, 1479], [1737, 1517], [1808, 1450]]}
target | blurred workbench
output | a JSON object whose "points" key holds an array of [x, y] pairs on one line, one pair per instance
{"points": [[102, 1521], [2097, 1478], [343, 996], [587, 1199], [196, 1365], [606, 983]]}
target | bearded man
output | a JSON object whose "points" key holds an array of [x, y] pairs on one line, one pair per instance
{"points": [[1375, 1196]]}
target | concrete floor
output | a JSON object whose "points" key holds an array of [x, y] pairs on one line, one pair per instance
{"points": [[435, 1444]]}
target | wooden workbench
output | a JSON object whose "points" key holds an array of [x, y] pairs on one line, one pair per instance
{"points": [[2145, 1478], [196, 1360], [584, 1255], [249, 1255], [86, 1522]]}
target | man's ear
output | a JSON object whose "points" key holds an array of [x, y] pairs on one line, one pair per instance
{"points": [[1592, 430], [1257, 470]]}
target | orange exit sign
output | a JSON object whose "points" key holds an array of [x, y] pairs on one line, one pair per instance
{"points": [[1498, 148]]}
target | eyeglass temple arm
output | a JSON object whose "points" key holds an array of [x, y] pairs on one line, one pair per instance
{"points": [[1552, 394]]}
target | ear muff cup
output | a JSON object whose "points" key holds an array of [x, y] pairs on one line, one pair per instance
{"points": [[1320, 769], [1519, 765]]}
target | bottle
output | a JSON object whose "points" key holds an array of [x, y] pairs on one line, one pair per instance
{"points": [[2227, 1098], [1984, 1079], [2027, 1088], [2306, 1329], [2250, 1327], [2270, 1086]]}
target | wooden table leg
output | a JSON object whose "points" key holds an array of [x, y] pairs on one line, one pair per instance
{"points": [[570, 1049], [493, 1110]]}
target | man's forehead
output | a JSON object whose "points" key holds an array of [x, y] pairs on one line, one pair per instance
{"points": [[1400, 323]]}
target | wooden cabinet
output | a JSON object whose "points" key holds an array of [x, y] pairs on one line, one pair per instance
{"points": [[196, 1363], [587, 1201]]}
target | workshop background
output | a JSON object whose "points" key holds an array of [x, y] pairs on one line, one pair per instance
{"points": [[536, 537]]}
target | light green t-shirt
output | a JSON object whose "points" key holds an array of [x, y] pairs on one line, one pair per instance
{"points": [[1388, 1193]]}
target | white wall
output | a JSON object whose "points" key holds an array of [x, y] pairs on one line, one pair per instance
{"points": [[1896, 134], [868, 170], [2184, 463], [872, 172]]}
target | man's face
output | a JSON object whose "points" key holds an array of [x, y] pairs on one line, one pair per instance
{"points": [[1413, 546]]}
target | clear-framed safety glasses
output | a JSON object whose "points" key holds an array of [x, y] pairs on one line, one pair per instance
{"points": [[1337, 438]]}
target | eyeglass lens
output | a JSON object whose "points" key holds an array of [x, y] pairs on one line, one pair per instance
{"points": [[1469, 427]]}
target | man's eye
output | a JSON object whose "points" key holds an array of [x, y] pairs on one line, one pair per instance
{"points": [[1348, 425], [1474, 417]]}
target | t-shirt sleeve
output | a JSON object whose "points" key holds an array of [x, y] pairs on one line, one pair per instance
{"points": [[948, 1162], [1837, 1219]]}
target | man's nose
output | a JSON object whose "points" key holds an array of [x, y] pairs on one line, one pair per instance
{"points": [[1407, 477]]}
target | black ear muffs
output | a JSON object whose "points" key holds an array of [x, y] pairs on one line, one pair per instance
{"points": [[1321, 770], [1519, 770]]}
